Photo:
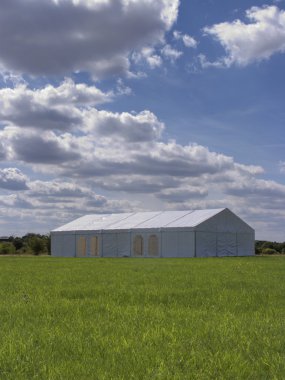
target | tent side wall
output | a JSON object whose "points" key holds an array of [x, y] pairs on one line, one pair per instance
{"points": [[116, 243], [63, 244], [178, 243], [246, 244], [145, 242], [225, 234]]}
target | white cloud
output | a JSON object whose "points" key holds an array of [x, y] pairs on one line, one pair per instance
{"points": [[46, 148], [84, 35], [149, 55], [51, 107], [170, 53], [257, 40], [13, 179], [69, 107], [188, 41], [180, 194], [257, 187], [282, 166], [140, 127]]}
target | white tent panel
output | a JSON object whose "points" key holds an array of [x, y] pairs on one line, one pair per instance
{"points": [[109, 243], [79, 224], [162, 219], [169, 242], [245, 243], [226, 244], [57, 244], [134, 220], [124, 244], [224, 221], [68, 247], [94, 222], [206, 244], [186, 244], [193, 218], [107, 221]]}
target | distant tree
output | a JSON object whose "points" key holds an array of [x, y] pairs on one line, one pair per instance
{"points": [[18, 243], [267, 244], [48, 244], [7, 248], [269, 251], [37, 245]]}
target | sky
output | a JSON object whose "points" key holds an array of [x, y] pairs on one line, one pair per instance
{"points": [[113, 106]]}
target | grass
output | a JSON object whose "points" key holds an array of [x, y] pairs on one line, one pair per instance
{"points": [[142, 318]]}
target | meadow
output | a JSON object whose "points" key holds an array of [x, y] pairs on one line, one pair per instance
{"points": [[220, 318]]}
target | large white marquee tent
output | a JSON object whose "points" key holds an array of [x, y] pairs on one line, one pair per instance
{"points": [[192, 233]]}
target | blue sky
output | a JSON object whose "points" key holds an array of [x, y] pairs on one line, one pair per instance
{"points": [[113, 106]]}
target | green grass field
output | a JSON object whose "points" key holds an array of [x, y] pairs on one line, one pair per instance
{"points": [[142, 318]]}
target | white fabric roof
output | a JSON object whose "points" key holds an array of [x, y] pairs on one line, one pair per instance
{"points": [[139, 220]]}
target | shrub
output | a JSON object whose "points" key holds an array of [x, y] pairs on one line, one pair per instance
{"points": [[7, 248], [269, 251], [37, 245]]}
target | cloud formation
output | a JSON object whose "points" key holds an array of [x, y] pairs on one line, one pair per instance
{"points": [[187, 40], [246, 43], [86, 35], [13, 179], [56, 108]]}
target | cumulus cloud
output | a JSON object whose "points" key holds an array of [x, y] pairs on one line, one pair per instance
{"points": [[15, 201], [170, 53], [187, 40], [154, 159], [117, 144], [257, 187], [51, 107], [86, 35], [13, 179], [149, 55], [71, 107], [246, 43], [47, 189], [140, 127], [182, 194], [47, 149], [136, 183]]}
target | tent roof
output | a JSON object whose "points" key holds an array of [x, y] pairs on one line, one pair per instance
{"points": [[140, 220]]}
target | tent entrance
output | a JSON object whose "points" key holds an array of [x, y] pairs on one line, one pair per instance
{"points": [[153, 247], [138, 245], [94, 246], [81, 246]]}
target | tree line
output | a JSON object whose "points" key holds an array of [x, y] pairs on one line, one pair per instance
{"points": [[263, 247], [30, 244]]}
